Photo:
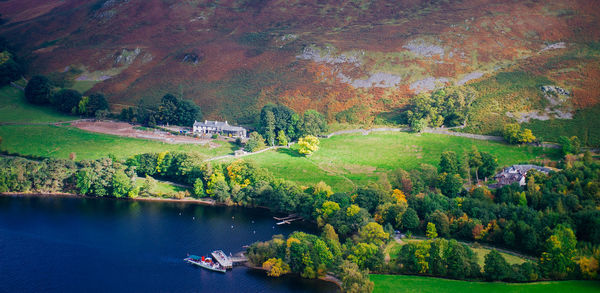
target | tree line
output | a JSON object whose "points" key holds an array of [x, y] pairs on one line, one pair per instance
{"points": [[41, 91], [553, 217]]}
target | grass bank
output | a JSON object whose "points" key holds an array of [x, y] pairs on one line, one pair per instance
{"points": [[14, 108], [60, 141], [400, 283], [348, 160]]}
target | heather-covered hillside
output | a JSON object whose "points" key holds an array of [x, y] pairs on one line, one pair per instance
{"points": [[366, 57]]}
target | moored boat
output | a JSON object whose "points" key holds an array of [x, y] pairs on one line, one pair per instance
{"points": [[205, 262]]}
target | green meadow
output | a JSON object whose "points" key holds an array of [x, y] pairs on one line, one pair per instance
{"points": [[401, 283], [346, 161], [393, 249], [60, 141], [14, 108]]}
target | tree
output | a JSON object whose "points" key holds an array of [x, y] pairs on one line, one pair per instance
{"points": [[308, 145], [353, 279], [489, 164], [431, 231], [275, 267], [199, 188], [475, 161], [513, 134], [121, 184], [410, 220], [66, 100], [441, 222], [418, 125], [557, 260], [10, 69], [187, 113], [373, 233], [255, 143], [451, 184], [38, 90], [269, 127], [282, 138], [526, 136], [496, 268], [313, 123], [449, 162], [149, 185], [96, 102]]}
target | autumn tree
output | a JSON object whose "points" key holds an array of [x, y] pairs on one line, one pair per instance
{"points": [[558, 259], [353, 279], [308, 145], [431, 232], [276, 267]]}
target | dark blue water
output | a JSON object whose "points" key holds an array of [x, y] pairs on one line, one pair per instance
{"points": [[102, 245]]}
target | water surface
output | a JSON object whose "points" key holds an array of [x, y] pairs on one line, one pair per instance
{"points": [[51, 244]]}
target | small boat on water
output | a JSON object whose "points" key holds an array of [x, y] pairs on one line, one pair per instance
{"points": [[205, 262]]}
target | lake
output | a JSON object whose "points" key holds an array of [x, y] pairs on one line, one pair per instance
{"points": [[65, 244]]}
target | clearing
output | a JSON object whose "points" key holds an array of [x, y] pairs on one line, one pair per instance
{"points": [[401, 283], [60, 141], [345, 161]]}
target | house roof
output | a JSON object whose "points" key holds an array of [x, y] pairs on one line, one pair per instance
{"points": [[219, 125]]}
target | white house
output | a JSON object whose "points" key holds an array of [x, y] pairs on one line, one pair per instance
{"points": [[217, 127]]}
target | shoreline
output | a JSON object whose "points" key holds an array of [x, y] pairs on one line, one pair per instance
{"points": [[205, 201], [151, 199], [326, 278]]}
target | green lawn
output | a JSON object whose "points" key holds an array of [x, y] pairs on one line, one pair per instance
{"points": [[353, 159], [400, 283], [14, 108], [162, 188], [482, 252], [60, 141], [393, 249]]}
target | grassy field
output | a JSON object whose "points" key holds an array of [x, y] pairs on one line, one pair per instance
{"points": [[394, 249], [60, 141], [14, 108], [399, 283], [162, 188], [347, 160]]}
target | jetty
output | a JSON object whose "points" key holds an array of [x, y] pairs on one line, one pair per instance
{"points": [[229, 261], [287, 220]]}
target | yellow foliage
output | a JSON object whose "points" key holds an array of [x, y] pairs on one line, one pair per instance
{"points": [[399, 195], [291, 241], [588, 266], [276, 267], [352, 210]]}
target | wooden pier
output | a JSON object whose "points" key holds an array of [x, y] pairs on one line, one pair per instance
{"points": [[287, 220], [229, 261]]}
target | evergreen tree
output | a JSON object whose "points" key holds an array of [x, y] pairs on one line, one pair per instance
{"points": [[38, 90]]}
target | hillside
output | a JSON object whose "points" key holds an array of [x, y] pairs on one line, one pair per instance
{"points": [[367, 57]]}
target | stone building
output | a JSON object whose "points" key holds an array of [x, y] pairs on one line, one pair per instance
{"points": [[217, 127]]}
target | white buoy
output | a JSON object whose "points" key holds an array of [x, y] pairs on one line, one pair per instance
{"points": [[193, 218], [254, 231]]}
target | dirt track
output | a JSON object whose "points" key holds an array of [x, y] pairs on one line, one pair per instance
{"points": [[126, 129]]}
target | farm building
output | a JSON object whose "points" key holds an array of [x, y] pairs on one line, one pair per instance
{"points": [[516, 173], [217, 127]]}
